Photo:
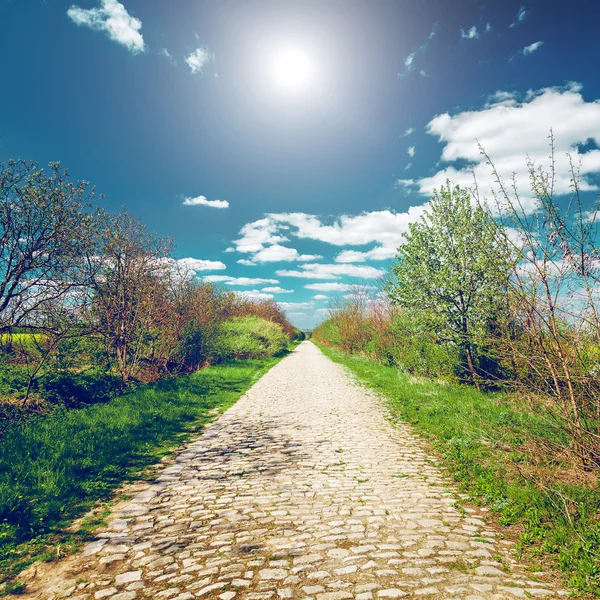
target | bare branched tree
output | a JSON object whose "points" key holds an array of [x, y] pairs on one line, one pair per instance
{"points": [[45, 226], [550, 343]]}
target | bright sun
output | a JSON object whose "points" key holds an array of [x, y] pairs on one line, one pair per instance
{"points": [[292, 69]]}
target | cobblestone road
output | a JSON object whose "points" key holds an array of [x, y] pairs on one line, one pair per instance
{"points": [[302, 489]]}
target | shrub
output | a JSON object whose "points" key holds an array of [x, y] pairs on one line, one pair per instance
{"points": [[251, 337], [13, 380], [418, 349], [76, 390], [199, 344]]}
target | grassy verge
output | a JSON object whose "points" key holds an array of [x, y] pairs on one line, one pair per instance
{"points": [[56, 467], [481, 437]]}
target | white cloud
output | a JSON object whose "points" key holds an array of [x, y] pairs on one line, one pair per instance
{"points": [[164, 52], [185, 269], [335, 271], [531, 48], [246, 262], [408, 166], [241, 281], [320, 297], [411, 151], [409, 131], [520, 17], [277, 253], [409, 61], [330, 287], [196, 264], [384, 228], [471, 34], [114, 20], [277, 290], [230, 249], [502, 97], [377, 253], [201, 200], [255, 295], [296, 305], [258, 233], [198, 59], [488, 28], [510, 132]]}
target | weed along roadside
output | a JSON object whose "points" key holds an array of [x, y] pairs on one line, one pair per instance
{"points": [[56, 467], [480, 438]]}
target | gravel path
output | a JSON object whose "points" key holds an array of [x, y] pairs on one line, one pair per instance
{"points": [[302, 489]]}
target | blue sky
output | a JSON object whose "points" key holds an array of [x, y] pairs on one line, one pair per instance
{"points": [[321, 127]]}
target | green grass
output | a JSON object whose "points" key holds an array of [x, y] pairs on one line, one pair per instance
{"points": [[56, 467], [480, 437]]}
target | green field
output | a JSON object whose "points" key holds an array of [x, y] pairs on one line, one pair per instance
{"points": [[20, 339]]}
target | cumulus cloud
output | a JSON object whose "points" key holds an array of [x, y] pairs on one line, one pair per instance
{"points": [[277, 253], [188, 268], [241, 281], [531, 48], [334, 271], [470, 34], [411, 151], [409, 131], [255, 295], [512, 130], [320, 297], [202, 201], [329, 287], [245, 262], [296, 305], [277, 290], [197, 264], [112, 19], [377, 253], [257, 234], [383, 228], [198, 59], [502, 97]]}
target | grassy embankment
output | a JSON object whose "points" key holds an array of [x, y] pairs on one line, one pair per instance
{"points": [[58, 466], [480, 437]]}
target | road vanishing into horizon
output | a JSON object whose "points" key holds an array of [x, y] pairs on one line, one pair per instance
{"points": [[302, 489]]}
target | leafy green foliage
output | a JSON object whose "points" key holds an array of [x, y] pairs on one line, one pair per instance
{"points": [[75, 390], [418, 349], [452, 267]]}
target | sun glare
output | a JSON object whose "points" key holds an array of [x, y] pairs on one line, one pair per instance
{"points": [[292, 69]]}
